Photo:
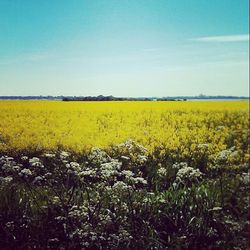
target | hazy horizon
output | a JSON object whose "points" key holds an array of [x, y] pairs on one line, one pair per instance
{"points": [[124, 48]]}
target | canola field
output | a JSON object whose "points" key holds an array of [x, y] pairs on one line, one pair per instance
{"points": [[176, 128]]}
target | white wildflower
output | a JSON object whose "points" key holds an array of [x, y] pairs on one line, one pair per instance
{"points": [[139, 180], [10, 225], [162, 172], [245, 178], [223, 156], [36, 162], [85, 244], [16, 168], [47, 175], [53, 241], [179, 165], [60, 218], [188, 174], [73, 167], [24, 158], [38, 180], [127, 173], [64, 155], [88, 173], [25, 172], [9, 158], [49, 155], [142, 158], [6, 180], [128, 144], [98, 156], [125, 157], [120, 186], [56, 200], [110, 168]]}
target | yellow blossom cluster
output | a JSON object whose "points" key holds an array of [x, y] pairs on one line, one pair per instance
{"points": [[183, 129]]}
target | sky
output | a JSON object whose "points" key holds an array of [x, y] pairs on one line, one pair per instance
{"points": [[124, 47]]}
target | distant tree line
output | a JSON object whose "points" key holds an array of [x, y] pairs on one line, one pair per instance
{"points": [[112, 98], [40, 97]]}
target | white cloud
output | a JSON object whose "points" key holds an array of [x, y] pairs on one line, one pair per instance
{"points": [[231, 38]]}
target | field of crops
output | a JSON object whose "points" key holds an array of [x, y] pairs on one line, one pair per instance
{"points": [[178, 127], [124, 175]]}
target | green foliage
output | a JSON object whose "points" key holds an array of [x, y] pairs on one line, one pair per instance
{"points": [[122, 200]]}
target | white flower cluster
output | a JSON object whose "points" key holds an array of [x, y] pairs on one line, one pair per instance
{"points": [[88, 234], [87, 172], [64, 155], [133, 153], [98, 156], [102, 168], [26, 173], [138, 180], [162, 172], [77, 212], [6, 180], [97, 181], [225, 155], [9, 165], [49, 155], [245, 178], [73, 168], [36, 162], [30, 169], [188, 175], [121, 186], [179, 165], [110, 169], [92, 201]]}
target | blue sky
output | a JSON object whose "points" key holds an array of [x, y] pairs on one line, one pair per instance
{"points": [[124, 47]]}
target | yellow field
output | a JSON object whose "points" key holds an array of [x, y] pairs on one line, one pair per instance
{"points": [[176, 127]]}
